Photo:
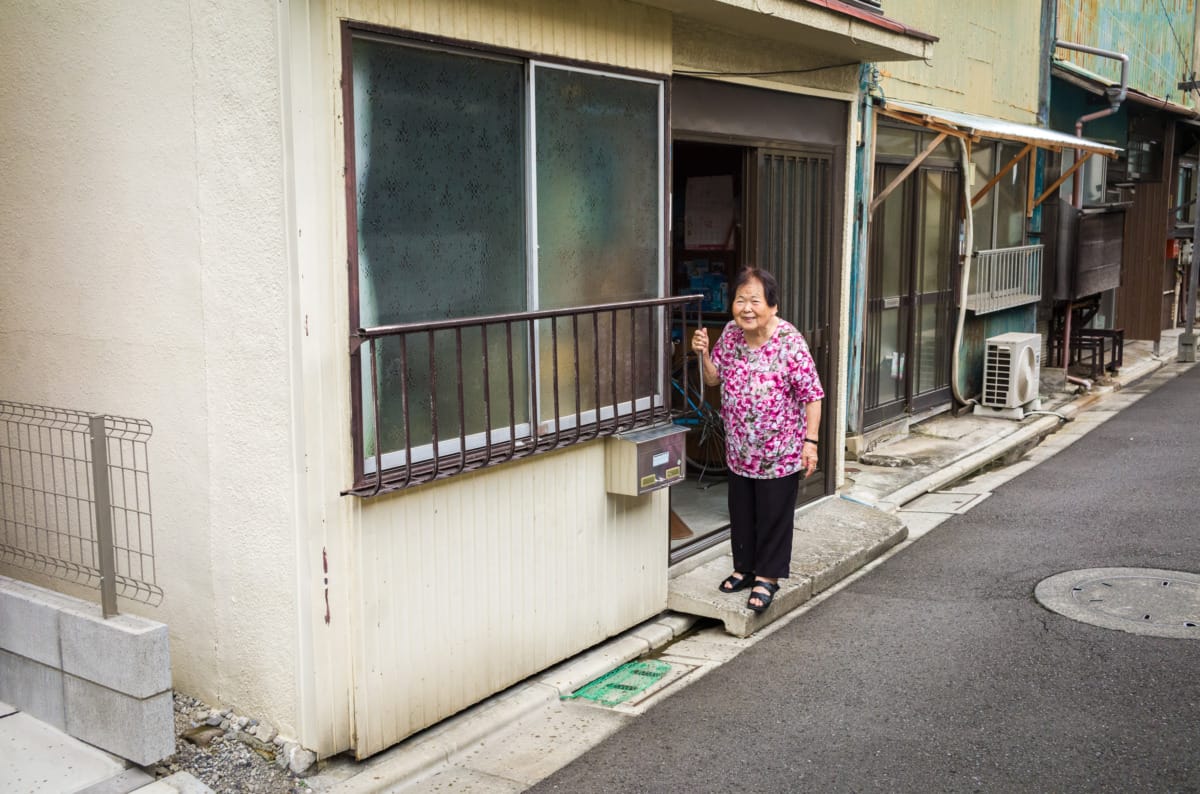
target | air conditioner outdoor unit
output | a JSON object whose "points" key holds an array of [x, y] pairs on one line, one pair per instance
{"points": [[1011, 370]]}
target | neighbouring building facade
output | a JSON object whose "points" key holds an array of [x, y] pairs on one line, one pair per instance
{"points": [[1125, 90], [950, 254]]}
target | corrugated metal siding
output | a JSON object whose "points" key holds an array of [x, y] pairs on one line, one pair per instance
{"points": [[608, 32], [468, 586], [986, 61], [1156, 35], [1140, 297]]}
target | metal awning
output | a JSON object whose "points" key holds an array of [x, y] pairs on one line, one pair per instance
{"points": [[968, 125]]}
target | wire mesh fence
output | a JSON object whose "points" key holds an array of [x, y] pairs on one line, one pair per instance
{"points": [[75, 499]]}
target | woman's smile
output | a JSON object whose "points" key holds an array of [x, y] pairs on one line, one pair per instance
{"points": [[751, 312]]}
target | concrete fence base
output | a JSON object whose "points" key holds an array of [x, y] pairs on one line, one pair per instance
{"points": [[106, 682]]}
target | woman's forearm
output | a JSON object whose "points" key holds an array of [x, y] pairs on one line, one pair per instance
{"points": [[812, 420], [711, 377]]}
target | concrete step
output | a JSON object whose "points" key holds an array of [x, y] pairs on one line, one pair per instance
{"points": [[832, 540]]}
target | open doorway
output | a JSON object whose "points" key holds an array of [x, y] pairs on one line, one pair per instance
{"points": [[734, 205]]}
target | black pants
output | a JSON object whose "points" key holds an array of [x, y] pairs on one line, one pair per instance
{"points": [[761, 520]]}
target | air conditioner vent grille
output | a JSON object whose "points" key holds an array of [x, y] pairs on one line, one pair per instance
{"points": [[1011, 370]]}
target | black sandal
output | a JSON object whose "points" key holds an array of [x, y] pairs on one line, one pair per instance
{"points": [[732, 584], [771, 587]]}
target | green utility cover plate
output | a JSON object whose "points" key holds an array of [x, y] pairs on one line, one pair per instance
{"points": [[614, 688]]}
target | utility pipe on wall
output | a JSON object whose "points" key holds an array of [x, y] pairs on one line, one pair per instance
{"points": [[1115, 97]]}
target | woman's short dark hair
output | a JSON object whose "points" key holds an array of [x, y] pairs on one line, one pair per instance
{"points": [[769, 284]]}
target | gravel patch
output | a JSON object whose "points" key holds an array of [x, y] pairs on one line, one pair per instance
{"points": [[233, 753]]}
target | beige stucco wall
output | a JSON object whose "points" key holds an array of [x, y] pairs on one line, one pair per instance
{"points": [[985, 62], [144, 274]]}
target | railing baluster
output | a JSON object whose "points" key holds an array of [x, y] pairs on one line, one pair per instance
{"points": [[378, 425], [578, 395], [612, 364], [487, 392], [633, 367], [408, 461], [532, 368], [554, 379], [596, 369], [512, 402], [462, 417], [433, 407]]}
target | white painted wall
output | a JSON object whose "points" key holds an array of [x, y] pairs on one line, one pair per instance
{"points": [[144, 274]]}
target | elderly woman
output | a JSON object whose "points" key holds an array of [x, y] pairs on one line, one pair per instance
{"points": [[771, 407]]}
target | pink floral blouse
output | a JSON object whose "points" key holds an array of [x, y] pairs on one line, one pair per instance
{"points": [[763, 393]]}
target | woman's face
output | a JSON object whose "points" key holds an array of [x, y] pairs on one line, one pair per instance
{"points": [[750, 309]]}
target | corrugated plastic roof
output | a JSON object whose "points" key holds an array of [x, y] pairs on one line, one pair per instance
{"points": [[987, 127]]}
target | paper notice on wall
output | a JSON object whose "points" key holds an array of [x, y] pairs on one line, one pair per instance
{"points": [[708, 212]]}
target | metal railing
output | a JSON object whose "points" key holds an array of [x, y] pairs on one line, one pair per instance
{"points": [[437, 399], [1005, 277], [75, 500]]}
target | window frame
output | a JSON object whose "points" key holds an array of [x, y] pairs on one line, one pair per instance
{"points": [[364, 466]]}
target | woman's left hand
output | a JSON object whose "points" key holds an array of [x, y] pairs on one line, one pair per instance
{"points": [[808, 459]]}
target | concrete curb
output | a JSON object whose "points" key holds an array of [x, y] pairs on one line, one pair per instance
{"points": [[1033, 432]]}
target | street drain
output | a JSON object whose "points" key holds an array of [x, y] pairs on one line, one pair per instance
{"points": [[618, 686], [1145, 601]]}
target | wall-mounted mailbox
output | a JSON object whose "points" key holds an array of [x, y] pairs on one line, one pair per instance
{"points": [[644, 460]]}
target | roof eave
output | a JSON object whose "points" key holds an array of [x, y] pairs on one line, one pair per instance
{"points": [[831, 28]]}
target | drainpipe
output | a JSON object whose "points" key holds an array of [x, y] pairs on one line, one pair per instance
{"points": [[966, 257], [864, 165], [1115, 97], [1187, 341]]}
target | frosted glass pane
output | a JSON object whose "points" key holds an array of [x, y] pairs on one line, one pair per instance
{"points": [[936, 229], [983, 161], [890, 219], [438, 145], [928, 348], [598, 164], [890, 361], [895, 141], [598, 210], [1010, 197]]}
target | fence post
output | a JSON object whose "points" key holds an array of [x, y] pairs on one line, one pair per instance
{"points": [[102, 504]]}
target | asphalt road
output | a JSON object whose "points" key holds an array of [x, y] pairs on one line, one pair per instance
{"points": [[939, 671]]}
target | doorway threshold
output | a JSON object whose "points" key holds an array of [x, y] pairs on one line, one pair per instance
{"points": [[832, 539]]}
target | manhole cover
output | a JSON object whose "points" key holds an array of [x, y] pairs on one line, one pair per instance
{"points": [[614, 688], [1138, 600]]}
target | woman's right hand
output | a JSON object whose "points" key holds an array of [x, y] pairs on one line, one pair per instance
{"points": [[700, 341]]}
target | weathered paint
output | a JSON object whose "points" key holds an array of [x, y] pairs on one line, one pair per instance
{"points": [[1156, 35], [986, 60], [1139, 308], [857, 291]]}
